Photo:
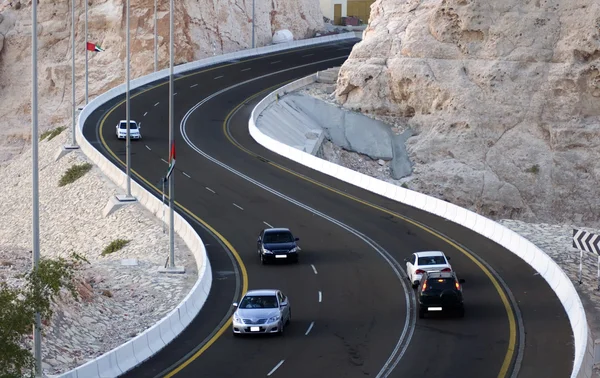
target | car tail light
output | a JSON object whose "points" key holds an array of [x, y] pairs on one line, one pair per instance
{"points": [[457, 285], [419, 271], [446, 270], [424, 285]]}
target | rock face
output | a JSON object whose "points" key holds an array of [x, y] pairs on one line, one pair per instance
{"points": [[202, 28], [503, 97]]}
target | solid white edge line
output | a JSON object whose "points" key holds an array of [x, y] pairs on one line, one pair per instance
{"points": [[218, 77], [166, 162], [193, 85], [209, 189], [238, 206], [149, 149], [309, 328], [157, 103], [276, 367], [268, 225], [314, 269], [320, 297], [186, 175]]}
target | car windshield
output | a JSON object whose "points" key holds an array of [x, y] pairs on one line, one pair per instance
{"points": [[440, 284], [432, 260], [123, 126], [259, 301], [278, 237]]}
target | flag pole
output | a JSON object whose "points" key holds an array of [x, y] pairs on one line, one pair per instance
{"points": [[155, 36], [128, 142], [37, 337], [86, 51], [171, 140]]}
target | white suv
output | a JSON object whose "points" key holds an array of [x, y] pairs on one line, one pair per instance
{"points": [[421, 262], [134, 130]]}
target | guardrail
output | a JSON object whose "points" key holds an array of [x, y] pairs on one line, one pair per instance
{"points": [[145, 345], [540, 261]]}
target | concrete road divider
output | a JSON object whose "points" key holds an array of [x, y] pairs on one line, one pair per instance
{"points": [[515, 243], [151, 341]]}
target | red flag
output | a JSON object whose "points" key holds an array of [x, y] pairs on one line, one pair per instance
{"points": [[93, 47]]}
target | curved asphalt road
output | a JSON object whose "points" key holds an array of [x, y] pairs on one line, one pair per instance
{"points": [[351, 313]]}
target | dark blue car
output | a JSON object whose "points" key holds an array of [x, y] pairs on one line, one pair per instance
{"points": [[277, 244]]}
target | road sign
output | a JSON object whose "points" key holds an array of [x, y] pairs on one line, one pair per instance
{"points": [[586, 241]]}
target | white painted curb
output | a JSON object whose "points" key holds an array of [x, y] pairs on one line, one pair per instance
{"points": [[148, 343], [538, 259]]}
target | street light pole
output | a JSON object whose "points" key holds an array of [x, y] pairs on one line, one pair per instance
{"points": [[253, 23], [37, 336], [73, 140], [155, 35], [86, 51], [171, 138], [128, 141]]}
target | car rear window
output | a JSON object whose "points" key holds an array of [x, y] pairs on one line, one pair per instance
{"points": [[432, 260], [439, 284], [278, 237]]}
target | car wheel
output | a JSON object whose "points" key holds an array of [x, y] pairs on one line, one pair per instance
{"points": [[421, 312], [289, 319], [281, 329], [262, 259]]}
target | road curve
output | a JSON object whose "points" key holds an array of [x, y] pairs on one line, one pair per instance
{"points": [[352, 315]]}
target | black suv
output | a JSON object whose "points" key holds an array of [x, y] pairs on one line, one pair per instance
{"points": [[277, 244], [440, 291]]}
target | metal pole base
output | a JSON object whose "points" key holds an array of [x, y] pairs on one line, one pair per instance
{"points": [[64, 150], [173, 270], [117, 202]]}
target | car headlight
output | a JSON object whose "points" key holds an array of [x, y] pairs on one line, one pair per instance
{"points": [[273, 319], [266, 250], [295, 249], [236, 318]]}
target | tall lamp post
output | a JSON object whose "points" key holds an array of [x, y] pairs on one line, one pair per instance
{"points": [[253, 23], [37, 337], [155, 35]]}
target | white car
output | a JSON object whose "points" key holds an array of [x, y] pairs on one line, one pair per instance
{"points": [[421, 262], [262, 311], [134, 130]]}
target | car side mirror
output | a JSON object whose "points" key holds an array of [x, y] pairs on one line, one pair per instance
{"points": [[235, 304], [405, 260], [462, 281], [296, 239], [284, 304], [449, 258]]}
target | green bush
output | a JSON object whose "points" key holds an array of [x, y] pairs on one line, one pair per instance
{"points": [[73, 173], [534, 169], [114, 246], [52, 133]]}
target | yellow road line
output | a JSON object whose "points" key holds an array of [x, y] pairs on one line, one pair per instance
{"points": [[209, 227], [509, 311]]}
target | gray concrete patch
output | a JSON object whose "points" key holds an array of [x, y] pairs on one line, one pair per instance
{"points": [[303, 122]]}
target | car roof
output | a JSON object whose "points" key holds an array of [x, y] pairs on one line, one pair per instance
{"points": [[429, 253], [125, 121], [439, 274], [280, 229], [252, 293]]}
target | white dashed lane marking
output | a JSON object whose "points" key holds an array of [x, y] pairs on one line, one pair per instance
{"points": [[276, 367], [314, 269], [193, 85], [309, 328], [156, 103], [268, 225], [238, 206], [275, 62], [149, 149], [246, 69], [307, 55], [210, 190], [166, 162], [145, 114], [186, 175], [218, 77], [320, 297]]}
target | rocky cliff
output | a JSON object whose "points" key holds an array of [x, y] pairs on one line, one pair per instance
{"points": [[203, 28], [503, 96]]}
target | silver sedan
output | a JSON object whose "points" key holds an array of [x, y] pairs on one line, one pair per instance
{"points": [[262, 311]]}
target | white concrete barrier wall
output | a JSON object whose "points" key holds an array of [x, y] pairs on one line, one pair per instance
{"points": [[538, 259], [148, 343]]}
